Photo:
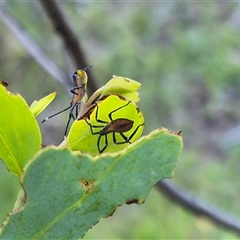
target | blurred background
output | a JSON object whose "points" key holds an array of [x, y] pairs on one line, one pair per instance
{"points": [[187, 57]]}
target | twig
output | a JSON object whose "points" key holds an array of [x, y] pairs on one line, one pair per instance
{"points": [[199, 206], [33, 49], [68, 36]]}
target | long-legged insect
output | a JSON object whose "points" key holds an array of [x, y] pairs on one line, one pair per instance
{"points": [[78, 91], [119, 125]]}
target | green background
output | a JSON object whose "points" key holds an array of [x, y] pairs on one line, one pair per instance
{"points": [[187, 57]]}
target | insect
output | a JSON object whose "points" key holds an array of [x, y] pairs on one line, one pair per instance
{"points": [[117, 126], [78, 91], [109, 125], [4, 83]]}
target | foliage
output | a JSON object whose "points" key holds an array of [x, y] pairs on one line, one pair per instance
{"points": [[107, 111], [74, 190], [19, 135], [186, 55], [38, 106]]}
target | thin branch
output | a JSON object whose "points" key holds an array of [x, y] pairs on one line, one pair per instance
{"points": [[33, 49], [68, 36], [199, 206]]}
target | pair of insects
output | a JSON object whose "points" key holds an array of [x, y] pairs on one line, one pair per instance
{"points": [[110, 123]]}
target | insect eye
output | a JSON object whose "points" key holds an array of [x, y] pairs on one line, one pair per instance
{"points": [[74, 76]]}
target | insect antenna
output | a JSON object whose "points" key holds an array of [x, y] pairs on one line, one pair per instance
{"points": [[55, 114]]}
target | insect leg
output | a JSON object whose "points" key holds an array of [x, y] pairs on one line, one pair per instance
{"points": [[77, 108], [71, 116], [98, 143], [96, 116], [76, 88], [55, 114], [65, 133], [134, 132], [126, 140], [97, 120], [110, 114]]}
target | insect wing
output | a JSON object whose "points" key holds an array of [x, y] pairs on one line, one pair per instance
{"points": [[85, 133]]}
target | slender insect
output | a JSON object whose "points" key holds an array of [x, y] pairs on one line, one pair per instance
{"points": [[79, 90], [116, 126]]}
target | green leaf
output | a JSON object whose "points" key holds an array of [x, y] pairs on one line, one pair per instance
{"points": [[123, 86], [126, 87], [38, 106], [20, 136], [85, 136], [67, 193]]}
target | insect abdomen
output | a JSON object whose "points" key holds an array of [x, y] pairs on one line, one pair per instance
{"points": [[118, 125]]}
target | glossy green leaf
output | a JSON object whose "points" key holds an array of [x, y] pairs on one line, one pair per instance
{"points": [[20, 136], [38, 106], [68, 193], [87, 133]]}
